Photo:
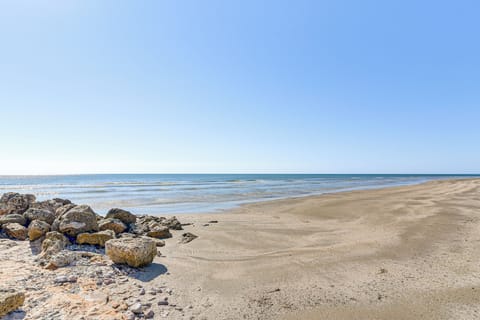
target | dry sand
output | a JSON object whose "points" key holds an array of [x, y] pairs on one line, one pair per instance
{"points": [[398, 253]]}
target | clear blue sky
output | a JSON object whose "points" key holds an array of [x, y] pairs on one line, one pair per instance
{"points": [[239, 86]]}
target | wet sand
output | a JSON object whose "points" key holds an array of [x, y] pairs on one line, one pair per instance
{"points": [[398, 253]]}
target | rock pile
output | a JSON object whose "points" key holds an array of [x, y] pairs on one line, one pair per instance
{"points": [[102, 255], [57, 223]]}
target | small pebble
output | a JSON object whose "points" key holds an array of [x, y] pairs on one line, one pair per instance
{"points": [[136, 308], [150, 314], [61, 279], [129, 315]]}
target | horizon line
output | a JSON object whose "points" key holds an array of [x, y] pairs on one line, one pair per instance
{"points": [[233, 173]]}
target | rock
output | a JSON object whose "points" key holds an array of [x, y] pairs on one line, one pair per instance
{"points": [[54, 242], [13, 218], [158, 242], [39, 214], [172, 223], [37, 229], [15, 231], [115, 225], [61, 259], [60, 279], [10, 301], [136, 252], [65, 279], [3, 209], [136, 308], [187, 237], [127, 235], [7, 196], [138, 229], [62, 201], [63, 209], [129, 315], [50, 205], [97, 238], [150, 314], [16, 202], [122, 215], [159, 233], [213, 221], [78, 219]]}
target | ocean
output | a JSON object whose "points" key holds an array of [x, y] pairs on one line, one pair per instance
{"points": [[195, 193]]}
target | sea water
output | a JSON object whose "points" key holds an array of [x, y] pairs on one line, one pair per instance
{"points": [[195, 193]]}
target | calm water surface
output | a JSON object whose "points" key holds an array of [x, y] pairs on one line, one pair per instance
{"points": [[187, 193]]}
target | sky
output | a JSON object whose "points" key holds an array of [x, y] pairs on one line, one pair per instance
{"points": [[239, 86]]}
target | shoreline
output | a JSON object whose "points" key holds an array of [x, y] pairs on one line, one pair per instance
{"points": [[193, 194], [311, 196]]}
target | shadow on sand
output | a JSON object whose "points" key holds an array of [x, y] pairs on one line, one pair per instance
{"points": [[35, 247], [149, 273], [15, 315]]}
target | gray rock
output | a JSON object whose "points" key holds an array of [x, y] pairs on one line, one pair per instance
{"points": [[150, 314], [50, 205], [77, 220], [172, 223], [122, 215], [54, 243], [16, 202], [63, 209], [129, 315], [159, 232], [39, 214], [61, 279], [61, 259], [158, 242], [136, 308], [188, 237], [13, 218], [115, 225], [127, 235]]}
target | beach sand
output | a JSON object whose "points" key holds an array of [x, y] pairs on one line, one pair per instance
{"points": [[407, 252]]}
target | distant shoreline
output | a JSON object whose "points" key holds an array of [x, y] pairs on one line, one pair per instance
{"points": [[205, 193]]}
